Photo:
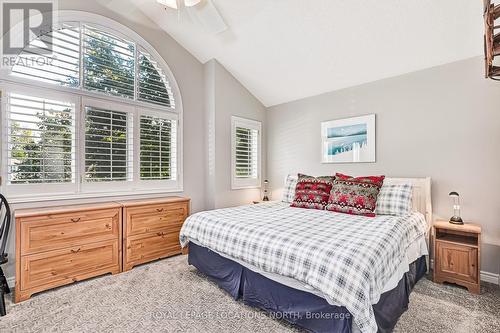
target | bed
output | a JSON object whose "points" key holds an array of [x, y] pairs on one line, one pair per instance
{"points": [[323, 271]]}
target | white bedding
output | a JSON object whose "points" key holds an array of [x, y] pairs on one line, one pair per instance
{"points": [[351, 260]]}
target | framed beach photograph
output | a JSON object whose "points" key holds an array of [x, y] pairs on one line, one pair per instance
{"points": [[350, 140]]}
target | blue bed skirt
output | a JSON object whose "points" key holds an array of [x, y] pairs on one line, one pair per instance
{"points": [[300, 308]]}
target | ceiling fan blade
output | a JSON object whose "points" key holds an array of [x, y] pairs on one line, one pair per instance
{"points": [[169, 3], [208, 16]]}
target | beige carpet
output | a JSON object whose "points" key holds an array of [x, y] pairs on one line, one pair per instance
{"points": [[170, 296]]}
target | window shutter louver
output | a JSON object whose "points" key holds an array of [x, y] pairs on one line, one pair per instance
{"points": [[62, 66], [153, 84], [158, 148], [106, 145], [246, 153], [41, 141], [108, 63]]}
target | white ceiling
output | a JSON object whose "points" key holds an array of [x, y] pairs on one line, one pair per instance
{"points": [[284, 50]]}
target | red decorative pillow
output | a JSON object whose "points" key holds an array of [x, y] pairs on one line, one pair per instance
{"points": [[357, 196], [312, 192]]}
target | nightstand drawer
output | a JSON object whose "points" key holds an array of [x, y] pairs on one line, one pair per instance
{"points": [[457, 261]]}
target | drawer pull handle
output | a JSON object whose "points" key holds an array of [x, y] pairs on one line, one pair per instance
{"points": [[108, 226], [160, 233], [159, 210], [75, 251], [76, 220]]}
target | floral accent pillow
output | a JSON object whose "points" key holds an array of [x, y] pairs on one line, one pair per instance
{"points": [[312, 192], [356, 196]]}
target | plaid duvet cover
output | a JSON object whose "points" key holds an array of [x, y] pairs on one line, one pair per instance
{"points": [[347, 257]]}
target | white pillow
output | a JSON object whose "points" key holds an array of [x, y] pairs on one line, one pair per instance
{"points": [[289, 190], [394, 199]]}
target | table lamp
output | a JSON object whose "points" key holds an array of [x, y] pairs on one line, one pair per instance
{"points": [[266, 191], [456, 219]]}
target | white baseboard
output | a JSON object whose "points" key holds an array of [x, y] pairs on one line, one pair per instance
{"points": [[490, 277]]}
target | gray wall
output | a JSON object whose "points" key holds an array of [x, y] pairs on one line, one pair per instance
{"points": [[226, 97], [442, 122], [188, 72]]}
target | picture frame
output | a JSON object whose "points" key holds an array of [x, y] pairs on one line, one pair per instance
{"points": [[349, 140]]}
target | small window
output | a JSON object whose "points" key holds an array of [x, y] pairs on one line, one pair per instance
{"points": [[246, 153]]}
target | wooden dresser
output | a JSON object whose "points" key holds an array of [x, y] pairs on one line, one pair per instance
{"points": [[151, 229], [58, 246], [457, 254], [65, 244]]}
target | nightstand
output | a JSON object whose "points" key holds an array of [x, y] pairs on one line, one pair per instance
{"points": [[457, 254]]}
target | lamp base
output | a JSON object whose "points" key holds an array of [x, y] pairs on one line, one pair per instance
{"points": [[456, 220]]}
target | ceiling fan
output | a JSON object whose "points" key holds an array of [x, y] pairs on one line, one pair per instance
{"points": [[202, 11]]}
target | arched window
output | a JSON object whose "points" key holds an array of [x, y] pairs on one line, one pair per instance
{"points": [[92, 110]]}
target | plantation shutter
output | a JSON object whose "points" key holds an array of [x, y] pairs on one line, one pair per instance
{"points": [[153, 84], [158, 148], [61, 66], [108, 63], [246, 152], [107, 145], [40, 140]]}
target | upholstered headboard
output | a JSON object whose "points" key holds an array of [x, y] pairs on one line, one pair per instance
{"points": [[421, 199]]}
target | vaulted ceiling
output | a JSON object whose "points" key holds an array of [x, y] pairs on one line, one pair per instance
{"points": [[284, 50]]}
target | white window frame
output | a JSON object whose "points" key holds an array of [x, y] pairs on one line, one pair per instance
{"points": [[238, 183], [88, 186], [80, 189], [20, 190], [151, 183]]}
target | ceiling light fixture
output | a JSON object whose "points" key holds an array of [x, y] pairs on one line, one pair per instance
{"points": [[176, 4]]}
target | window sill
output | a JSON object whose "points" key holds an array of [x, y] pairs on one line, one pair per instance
{"points": [[245, 187], [45, 197]]}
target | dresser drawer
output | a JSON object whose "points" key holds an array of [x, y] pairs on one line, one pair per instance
{"points": [[146, 247], [56, 231], [150, 218], [56, 268]]}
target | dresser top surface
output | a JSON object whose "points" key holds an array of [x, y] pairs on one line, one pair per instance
{"points": [[143, 202], [27, 212]]}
